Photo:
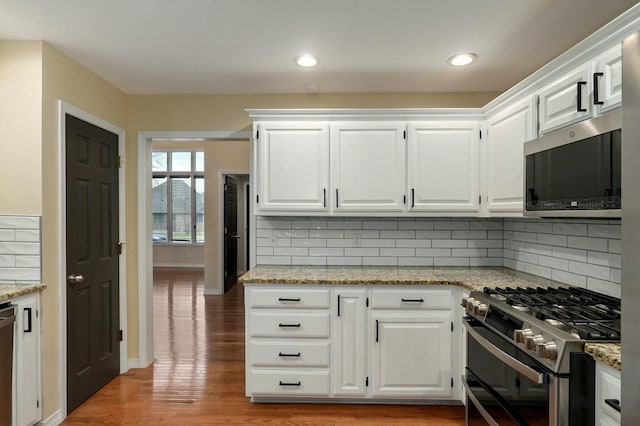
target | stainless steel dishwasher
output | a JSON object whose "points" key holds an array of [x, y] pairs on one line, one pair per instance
{"points": [[7, 320]]}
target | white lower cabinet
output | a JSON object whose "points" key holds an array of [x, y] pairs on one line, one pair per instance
{"points": [[608, 394], [411, 354], [371, 342], [27, 360]]}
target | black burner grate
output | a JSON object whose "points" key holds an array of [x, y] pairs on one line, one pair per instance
{"points": [[590, 315]]}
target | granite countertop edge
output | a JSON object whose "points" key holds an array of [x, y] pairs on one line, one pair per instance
{"points": [[470, 278], [607, 353], [11, 291]]}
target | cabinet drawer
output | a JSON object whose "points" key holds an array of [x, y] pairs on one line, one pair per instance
{"points": [[607, 387], [299, 354], [267, 324], [270, 382], [412, 299], [289, 298]]}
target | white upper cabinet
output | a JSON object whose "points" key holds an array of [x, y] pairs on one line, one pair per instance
{"points": [[607, 80], [566, 100], [368, 166], [443, 162], [588, 90], [507, 131], [293, 167]]}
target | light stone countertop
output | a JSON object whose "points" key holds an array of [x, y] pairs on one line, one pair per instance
{"points": [[11, 291], [607, 353], [469, 278]]}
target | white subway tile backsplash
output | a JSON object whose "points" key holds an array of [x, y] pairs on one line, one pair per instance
{"points": [[579, 229], [589, 243], [7, 260], [573, 251], [605, 231], [570, 254], [604, 287], [19, 222], [415, 261], [451, 261], [586, 269], [449, 243], [20, 260], [380, 261], [398, 252], [386, 225]]}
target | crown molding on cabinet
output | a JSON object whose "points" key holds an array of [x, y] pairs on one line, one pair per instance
{"points": [[368, 114]]}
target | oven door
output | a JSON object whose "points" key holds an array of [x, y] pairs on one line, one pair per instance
{"points": [[504, 386]]}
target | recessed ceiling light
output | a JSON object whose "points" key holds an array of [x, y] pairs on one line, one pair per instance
{"points": [[306, 61], [462, 59]]}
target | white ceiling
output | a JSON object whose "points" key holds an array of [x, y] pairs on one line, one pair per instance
{"points": [[248, 46]]}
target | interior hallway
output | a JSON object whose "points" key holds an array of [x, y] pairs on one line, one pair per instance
{"points": [[197, 377]]}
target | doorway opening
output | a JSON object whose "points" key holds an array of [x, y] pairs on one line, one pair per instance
{"points": [[235, 228], [225, 153]]}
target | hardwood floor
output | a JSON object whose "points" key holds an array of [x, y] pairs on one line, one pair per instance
{"points": [[197, 377]]}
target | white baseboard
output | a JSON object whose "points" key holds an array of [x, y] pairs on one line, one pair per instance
{"points": [[211, 292], [53, 420], [178, 265], [133, 363]]}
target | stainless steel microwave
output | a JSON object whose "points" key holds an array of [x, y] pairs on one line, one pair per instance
{"points": [[575, 171]]}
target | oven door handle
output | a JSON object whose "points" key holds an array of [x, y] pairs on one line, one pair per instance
{"points": [[474, 399], [531, 374]]}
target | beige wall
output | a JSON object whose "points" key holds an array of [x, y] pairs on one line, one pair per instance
{"points": [[20, 127], [64, 80]]}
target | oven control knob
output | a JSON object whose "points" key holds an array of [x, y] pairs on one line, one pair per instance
{"points": [[549, 350], [531, 341], [474, 306], [467, 301], [520, 335], [479, 309]]}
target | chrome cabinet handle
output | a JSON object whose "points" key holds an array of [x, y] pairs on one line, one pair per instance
{"points": [[75, 278]]}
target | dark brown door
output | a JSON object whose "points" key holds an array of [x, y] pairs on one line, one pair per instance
{"points": [[93, 356], [230, 233]]}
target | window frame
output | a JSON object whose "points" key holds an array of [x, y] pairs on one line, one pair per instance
{"points": [[168, 175]]}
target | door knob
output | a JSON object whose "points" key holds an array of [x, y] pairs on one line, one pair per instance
{"points": [[75, 278]]}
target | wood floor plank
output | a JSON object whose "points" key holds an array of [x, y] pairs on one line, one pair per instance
{"points": [[197, 377]]}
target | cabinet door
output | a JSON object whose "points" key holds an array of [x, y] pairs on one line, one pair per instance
{"points": [[559, 104], [293, 167], [443, 166], [349, 351], [506, 134], [411, 354], [607, 87], [27, 362], [368, 166]]}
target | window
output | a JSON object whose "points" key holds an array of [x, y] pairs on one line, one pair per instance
{"points": [[178, 196]]}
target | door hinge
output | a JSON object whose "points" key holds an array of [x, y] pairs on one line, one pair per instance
{"points": [[120, 335], [119, 162], [225, 187], [366, 382], [367, 302], [452, 382]]}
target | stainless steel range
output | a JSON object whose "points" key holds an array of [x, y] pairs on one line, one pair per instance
{"points": [[525, 358]]}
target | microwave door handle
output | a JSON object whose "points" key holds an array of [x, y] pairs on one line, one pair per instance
{"points": [[531, 374], [474, 399]]}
